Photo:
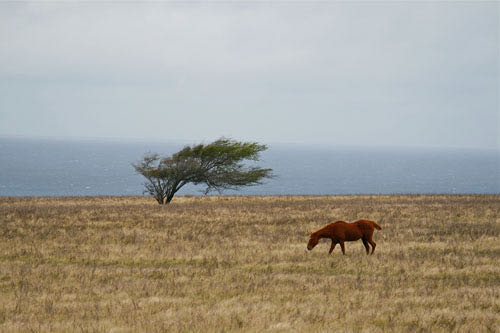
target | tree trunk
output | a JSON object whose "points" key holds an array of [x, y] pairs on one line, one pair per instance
{"points": [[170, 194], [160, 199], [169, 198]]}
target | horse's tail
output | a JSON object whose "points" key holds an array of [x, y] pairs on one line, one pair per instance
{"points": [[376, 226]]}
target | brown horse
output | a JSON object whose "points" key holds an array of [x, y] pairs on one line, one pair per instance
{"points": [[340, 232]]}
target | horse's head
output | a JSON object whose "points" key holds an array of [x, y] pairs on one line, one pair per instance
{"points": [[313, 241]]}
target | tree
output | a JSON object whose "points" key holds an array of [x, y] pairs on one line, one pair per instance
{"points": [[217, 165]]}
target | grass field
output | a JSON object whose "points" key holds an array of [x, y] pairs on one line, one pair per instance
{"points": [[121, 264]]}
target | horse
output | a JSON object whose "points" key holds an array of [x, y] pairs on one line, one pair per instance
{"points": [[340, 232]]}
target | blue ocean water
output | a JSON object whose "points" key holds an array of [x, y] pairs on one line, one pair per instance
{"points": [[43, 167]]}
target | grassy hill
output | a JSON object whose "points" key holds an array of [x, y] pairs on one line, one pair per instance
{"points": [[230, 263]]}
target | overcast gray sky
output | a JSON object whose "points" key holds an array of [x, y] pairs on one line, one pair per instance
{"points": [[380, 73]]}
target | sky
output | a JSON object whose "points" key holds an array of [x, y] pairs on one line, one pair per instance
{"points": [[330, 73]]}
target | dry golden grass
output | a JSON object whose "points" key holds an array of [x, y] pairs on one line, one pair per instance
{"points": [[240, 263]]}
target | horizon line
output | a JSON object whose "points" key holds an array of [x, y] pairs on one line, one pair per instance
{"points": [[270, 142]]}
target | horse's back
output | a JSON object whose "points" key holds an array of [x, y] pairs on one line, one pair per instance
{"points": [[367, 222], [365, 226], [347, 231], [351, 229]]}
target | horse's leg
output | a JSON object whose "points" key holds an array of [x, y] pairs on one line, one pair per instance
{"points": [[342, 247], [372, 243], [332, 247], [365, 243]]}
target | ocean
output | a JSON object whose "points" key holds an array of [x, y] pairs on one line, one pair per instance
{"points": [[50, 167]]}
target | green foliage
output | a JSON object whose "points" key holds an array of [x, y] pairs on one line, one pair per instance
{"points": [[217, 165]]}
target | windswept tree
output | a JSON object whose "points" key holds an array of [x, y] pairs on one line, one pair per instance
{"points": [[218, 166]]}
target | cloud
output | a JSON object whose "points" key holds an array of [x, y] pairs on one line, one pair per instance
{"points": [[218, 38], [425, 72]]}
